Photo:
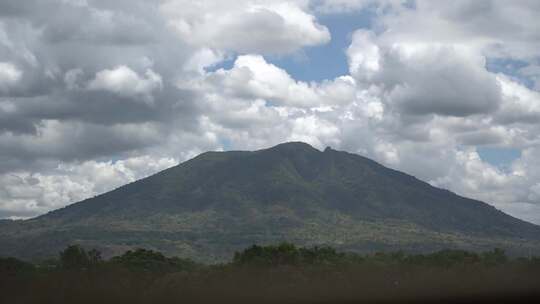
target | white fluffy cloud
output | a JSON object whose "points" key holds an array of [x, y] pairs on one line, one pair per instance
{"points": [[9, 75], [521, 105], [245, 26], [124, 81], [252, 77], [25, 194], [504, 29]]}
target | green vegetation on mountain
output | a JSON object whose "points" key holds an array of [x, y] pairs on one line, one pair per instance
{"points": [[219, 202]]}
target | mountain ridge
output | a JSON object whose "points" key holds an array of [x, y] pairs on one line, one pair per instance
{"points": [[216, 202]]}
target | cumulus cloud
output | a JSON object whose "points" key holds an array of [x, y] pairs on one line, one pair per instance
{"points": [[124, 81], [9, 76], [521, 105], [425, 78], [252, 77], [498, 28], [25, 194], [245, 26]]}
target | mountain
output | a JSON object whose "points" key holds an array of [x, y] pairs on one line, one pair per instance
{"points": [[219, 202]]}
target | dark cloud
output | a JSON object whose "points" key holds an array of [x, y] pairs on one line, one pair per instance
{"points": [[51, 113], [424, 78], [482, 137]]}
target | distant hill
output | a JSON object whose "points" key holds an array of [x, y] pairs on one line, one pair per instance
{"points": [[219, 202]]}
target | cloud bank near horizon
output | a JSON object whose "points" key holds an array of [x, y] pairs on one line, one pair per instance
{"points": [[114, 91]]}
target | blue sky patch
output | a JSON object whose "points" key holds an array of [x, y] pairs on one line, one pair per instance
{"points": [[511, 68], [499, 157], [326, 61]]}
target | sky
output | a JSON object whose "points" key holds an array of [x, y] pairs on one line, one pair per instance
{"points": [[96, 93]]}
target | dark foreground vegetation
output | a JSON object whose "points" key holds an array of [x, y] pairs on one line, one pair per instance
{"points": [[273, 274]]}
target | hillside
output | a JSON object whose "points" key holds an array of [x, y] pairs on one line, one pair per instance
{"points": [[219, 202]]}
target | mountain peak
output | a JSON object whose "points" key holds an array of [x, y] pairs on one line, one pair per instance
{"points": [[294, 146], [219, 202]]}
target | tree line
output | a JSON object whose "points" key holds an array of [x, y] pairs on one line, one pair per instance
{"points": [[271, 274]]}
